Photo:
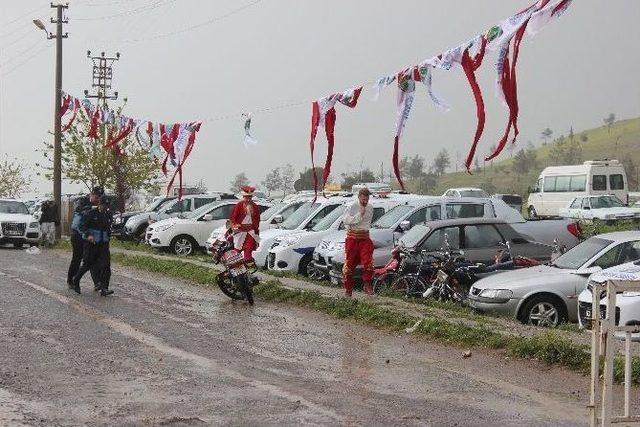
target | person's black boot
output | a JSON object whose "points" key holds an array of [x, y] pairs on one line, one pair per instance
{"points": [[97, 287], [75, 286], [105, 292]]}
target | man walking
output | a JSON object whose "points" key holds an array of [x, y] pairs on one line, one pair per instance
{"points": [[83, 205], [358, 246], [245, 222], [48, 221], [95, 228]]}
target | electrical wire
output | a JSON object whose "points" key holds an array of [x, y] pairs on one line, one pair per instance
{"points": [[31, 12], [14, 68], [187, 29], [151, 6], [22, 53]]}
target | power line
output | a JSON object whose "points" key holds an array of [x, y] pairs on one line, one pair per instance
{"points": [[21, 53], [36, 53], [190, 28], [151, 6], [31, 12]]}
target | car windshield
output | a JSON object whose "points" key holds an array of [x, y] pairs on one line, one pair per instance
{"points": [[577, 256], [326, 222], [473, 193], [393, 216], [200, 211], [13, 207], [271, 211], [412, 237], [299, 216], [602, 202]]}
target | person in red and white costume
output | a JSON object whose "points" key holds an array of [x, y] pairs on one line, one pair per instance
{"points": [[358, 245], [245, 222]]}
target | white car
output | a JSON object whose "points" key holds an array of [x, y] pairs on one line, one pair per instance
{"points": [[627, 303], [304, 218], [17, 225], [465, 192], [295, 252], [271, 218], [602, 208], [185, 235], [547, 295]]}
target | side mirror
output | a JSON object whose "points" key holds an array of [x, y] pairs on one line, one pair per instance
{"points": [[586, 208], [207, 217], [278, 219], [588, 271], [405, 226]]}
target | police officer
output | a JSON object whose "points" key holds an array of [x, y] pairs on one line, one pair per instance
{"points": [[95, 228], [84, 204]]}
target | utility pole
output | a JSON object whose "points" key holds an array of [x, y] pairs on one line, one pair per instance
{"points": [[57, 120], [102, 75]]}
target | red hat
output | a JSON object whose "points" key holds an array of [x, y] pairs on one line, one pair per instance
{"points": [[247, 190]]}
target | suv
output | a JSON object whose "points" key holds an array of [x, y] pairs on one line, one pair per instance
{"points": [[17, 225], [137, 224], [185, 234], [120, 219]]}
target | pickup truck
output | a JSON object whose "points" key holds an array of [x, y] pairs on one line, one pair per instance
{"points": [[389, 228]]}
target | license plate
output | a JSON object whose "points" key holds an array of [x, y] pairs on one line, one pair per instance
{"points": [[238, 271], [13, 233]]}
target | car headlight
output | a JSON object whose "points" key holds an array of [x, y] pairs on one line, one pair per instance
{"points": [[214, 236], [34, 224], [161, 228], [291, 240], [117, 220], [497, 294]]}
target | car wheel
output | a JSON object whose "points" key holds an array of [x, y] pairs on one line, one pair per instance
{"points": [[183, 245], [532, 212], [543, 310]]}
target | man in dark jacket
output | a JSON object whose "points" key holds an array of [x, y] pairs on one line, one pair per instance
{"points": [[95, 228], [84, 204], [49, 220]]}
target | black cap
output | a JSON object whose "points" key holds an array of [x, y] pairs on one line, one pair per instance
{"points": [[97, 190]]}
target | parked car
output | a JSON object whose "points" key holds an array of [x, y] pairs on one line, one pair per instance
{"points": [[304, 218], [295, 252], [479, 238], [465, 192], [17, 225], [137, 224], [120, 219], [557, 186], [599, 208], [185, 234], [546, 295], [627, 302], [389, 228], [271, 218], [512, 200]]}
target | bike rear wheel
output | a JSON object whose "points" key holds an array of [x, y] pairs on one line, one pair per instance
{"points": [[382, 283], [411, 285], [228, 287]]}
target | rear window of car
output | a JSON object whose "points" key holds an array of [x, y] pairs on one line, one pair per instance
{"points": [[616, 182], [465, 210]]}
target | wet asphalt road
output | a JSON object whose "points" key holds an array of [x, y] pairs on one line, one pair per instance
{"points": [[163, 352]]}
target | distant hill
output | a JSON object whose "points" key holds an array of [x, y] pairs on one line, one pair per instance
{"points": [[621, 141]]}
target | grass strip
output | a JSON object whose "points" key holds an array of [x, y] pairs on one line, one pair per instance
{"points": [[548, 347]]}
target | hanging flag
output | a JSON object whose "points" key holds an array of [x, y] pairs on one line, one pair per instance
{"points": [[404, 101], [248, 139], [381, 83], [76, 108], [183, 146], [424, 73], [324, 115]]}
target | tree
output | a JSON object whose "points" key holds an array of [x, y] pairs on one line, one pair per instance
{"points": [[272, 181], [416, 167], [238, 182], [546, 134], [365, 175], [565, 153], [571, 135], [14, 178], [584, 137], [122, 170], [426, 183], [287, 174], [441, 162], [609, 121], [305, 182]]}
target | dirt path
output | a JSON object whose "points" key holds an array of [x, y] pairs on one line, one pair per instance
{"points": [[164, 352]]}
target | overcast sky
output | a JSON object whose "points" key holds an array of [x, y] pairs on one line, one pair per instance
{"points": [[280, 52]]}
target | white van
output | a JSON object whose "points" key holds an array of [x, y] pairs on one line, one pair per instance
{"points": [[557, 186]]}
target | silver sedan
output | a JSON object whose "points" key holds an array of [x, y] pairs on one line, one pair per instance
{"points": [[547, 295]]}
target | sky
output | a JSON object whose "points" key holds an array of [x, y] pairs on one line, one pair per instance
{"points": [[212, 60]]}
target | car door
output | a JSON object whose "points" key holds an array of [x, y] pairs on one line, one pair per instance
{"points": [[424, 214], [481, 242], [177, 209], [585, 209], [202, 229], [437, 239]]}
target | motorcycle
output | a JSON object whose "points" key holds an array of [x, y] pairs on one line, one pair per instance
{"points": [[237, 280]]}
